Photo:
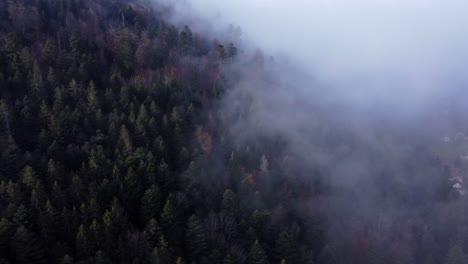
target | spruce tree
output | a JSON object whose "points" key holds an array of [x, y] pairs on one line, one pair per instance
{"points": [[195, 237], [256, 254]]}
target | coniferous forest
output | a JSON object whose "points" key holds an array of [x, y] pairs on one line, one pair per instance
{"points": [[114, 149]]}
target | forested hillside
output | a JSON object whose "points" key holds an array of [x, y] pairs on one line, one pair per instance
{"points": [[115, 149]]}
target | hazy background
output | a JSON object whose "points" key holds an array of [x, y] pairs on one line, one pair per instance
{"points": [[369, 70], [360, 90], [409, 55]]}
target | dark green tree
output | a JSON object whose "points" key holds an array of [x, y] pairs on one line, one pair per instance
{"points": [[150, 203], [152, 232], [6, 233], [26, 247], [229, 203], [49, 52], [93, 101], [256, 254], [195, 238], [36, 79], [286, 248]]}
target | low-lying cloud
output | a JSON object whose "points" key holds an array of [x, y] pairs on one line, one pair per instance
{"points": [[407, 54], [359, 90]]}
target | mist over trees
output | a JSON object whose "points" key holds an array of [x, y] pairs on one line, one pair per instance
{"points": [[126, 138]]}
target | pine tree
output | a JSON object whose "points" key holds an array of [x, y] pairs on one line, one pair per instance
{"points": [[164, 174], [113, 219], [82, 241], [179, 261], [26, 59], [23, 216], [6, 232], [49, 52], [4, 119], [154, 109], [286, 248], [162, 252], [229, 203], [26, 248], [58, 104], [74, 44], [232, 50], [150, 203], [10, 49], [125, 140], [141, 121], [185, 40], [215, 256], [124, 96], [109, 99], [73, 88], [229, 260], [93, 101], [256, 254], [195, 238], [168, 215], [28, 177], [51, 78], [38, 196], [36, 79], [67, 259], [152, 232], [125, 46]]}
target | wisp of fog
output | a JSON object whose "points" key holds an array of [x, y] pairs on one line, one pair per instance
{"points": [[408, 54], [381, 78]]}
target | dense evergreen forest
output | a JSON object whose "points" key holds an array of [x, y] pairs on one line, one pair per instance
{"points": [[114, 149]]}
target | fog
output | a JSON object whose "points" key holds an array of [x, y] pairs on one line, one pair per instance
{"points": [[359, 89], [361, 68], [409, 54]]}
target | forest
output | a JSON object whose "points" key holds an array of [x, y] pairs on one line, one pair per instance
{"points": [[115, 147]]}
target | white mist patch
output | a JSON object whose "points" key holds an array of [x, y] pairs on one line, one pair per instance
{"points": [[408, 53]]}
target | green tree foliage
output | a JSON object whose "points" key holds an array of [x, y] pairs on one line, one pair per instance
{"points": [[36, 79], [152, 232], [93, 101], [28, 177], [125, 48], [185, 40], [150, 203], [256, 254], [6, 233], [168, 215], [286, 248], [125, 140], [26, 247], [49, 52], [229, 202], [195, 238], [114, 149]]}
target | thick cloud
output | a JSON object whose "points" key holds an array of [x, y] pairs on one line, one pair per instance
{"points": [[408, 54], [359, 68], [360, 89]]}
